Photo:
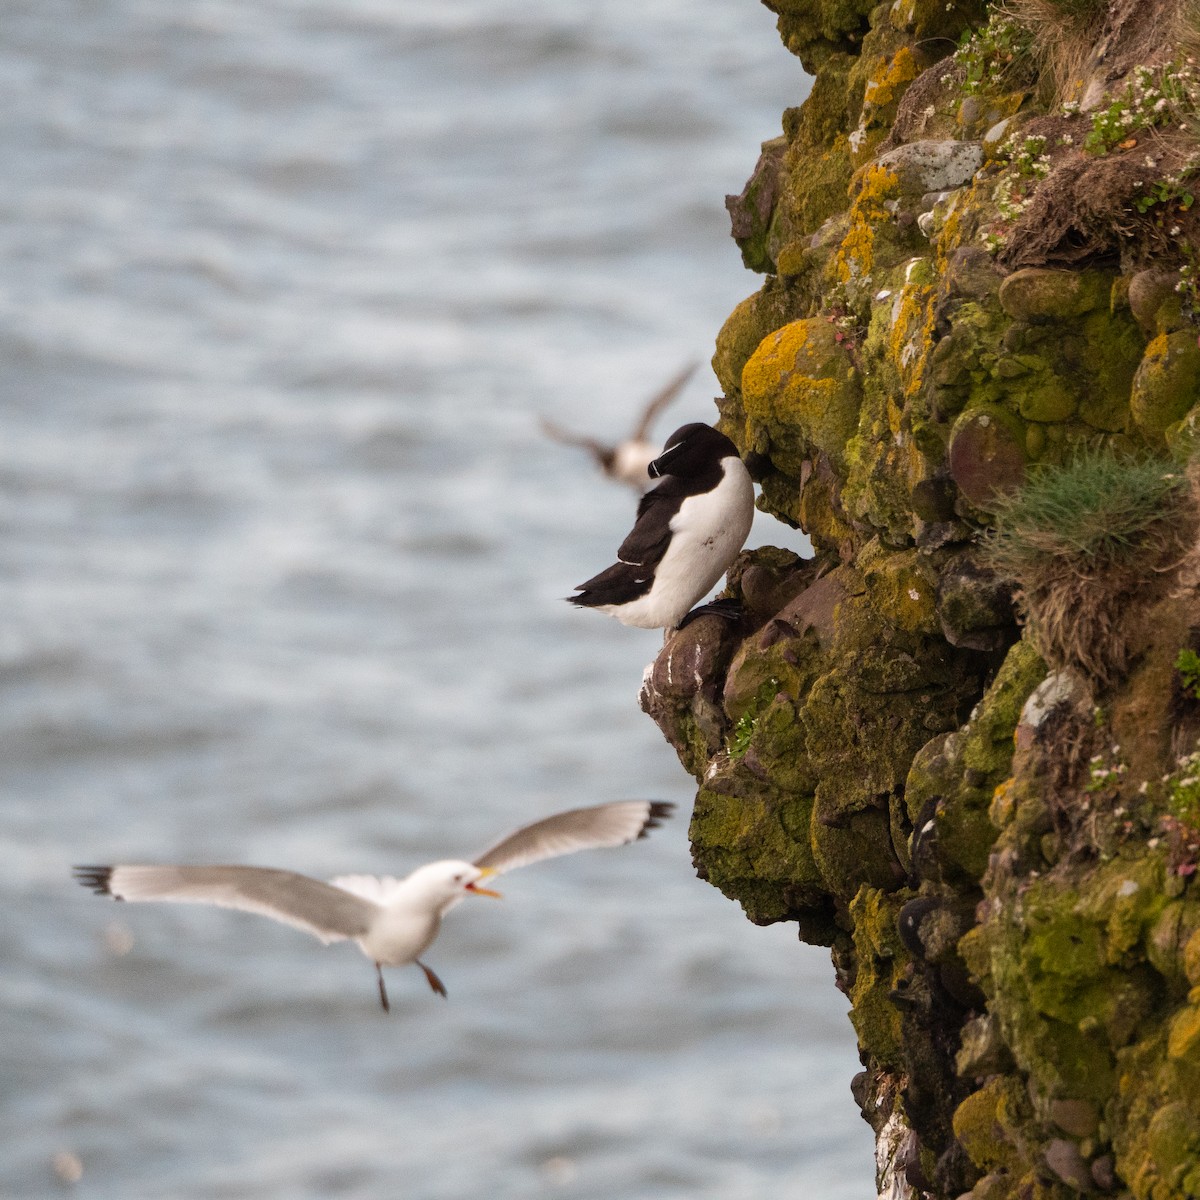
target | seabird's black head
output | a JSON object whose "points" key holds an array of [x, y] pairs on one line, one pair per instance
{"points": [[692, 450]]}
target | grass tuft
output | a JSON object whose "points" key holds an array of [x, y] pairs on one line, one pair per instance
{"points": [[1087, 545]]}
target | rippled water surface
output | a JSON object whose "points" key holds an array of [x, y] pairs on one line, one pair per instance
{"points": [[284, 286]]}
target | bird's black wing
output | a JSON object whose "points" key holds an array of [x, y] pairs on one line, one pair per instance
{"points": [[632, 576], [648, 539]]}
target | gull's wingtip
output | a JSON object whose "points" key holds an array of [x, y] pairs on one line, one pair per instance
{"points": [[96, 878], [660, 810]]}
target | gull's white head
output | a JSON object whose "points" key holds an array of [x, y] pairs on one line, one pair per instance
{"points": [[444, 883]]}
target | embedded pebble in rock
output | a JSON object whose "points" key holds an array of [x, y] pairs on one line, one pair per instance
{"points": [[1147, 292], [1167, 382], [1064, 1159], [933, 166], [1040, 294], [1079, 1118], [987, 454]]}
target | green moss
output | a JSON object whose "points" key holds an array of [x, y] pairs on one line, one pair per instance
{"points": [[1167, 382], [986, 1124], [817, 30], [880, 960], [754, 849]]}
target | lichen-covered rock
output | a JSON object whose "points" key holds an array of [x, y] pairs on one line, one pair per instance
{"points": [[1167, 383], [965, 288], [933, 166], [800, 395], [1038, 295]]}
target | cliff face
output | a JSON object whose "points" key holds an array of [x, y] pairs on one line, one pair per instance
{"points": [[962, 760]]}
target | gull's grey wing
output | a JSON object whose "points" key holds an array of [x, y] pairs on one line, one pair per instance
{"points": [[325, 911], [557, 433], [660, 400], [577, 829]]}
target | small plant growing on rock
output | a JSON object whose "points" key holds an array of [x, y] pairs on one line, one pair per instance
{"points": [[1087, 544], [1105, 774], [1181, 823], [1187, 663], [1149, 98], [996, 56]]}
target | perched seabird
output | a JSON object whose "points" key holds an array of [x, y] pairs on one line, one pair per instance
{"points": [[626, 461], [688, 531], [393, 920]]}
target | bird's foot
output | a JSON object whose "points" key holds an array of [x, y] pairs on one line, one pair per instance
{"points": [[434, 982], [383, 997], [730, 609]]}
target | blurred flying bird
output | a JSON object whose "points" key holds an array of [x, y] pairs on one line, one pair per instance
{"points": [[393, 920], [626, 461]]}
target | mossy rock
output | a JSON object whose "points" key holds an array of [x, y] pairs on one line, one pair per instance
{"points": [[988, 454], [752, 212], [987, 1124], [801, 395], [1039, 294], [816, 30], [756, 851], [1167, 383], [773, 306]]}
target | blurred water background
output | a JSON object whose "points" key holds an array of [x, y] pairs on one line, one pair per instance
{"points": [[284, 286]]}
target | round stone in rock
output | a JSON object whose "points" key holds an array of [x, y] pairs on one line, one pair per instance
{"points": [[1042, 294], [1064, 1159], [987, 454], [1166, 384], [1147, 291]]}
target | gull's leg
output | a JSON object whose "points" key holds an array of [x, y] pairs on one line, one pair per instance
{"points": [[434, 982], [382, 990]]}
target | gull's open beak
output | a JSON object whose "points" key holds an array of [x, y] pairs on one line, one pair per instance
{"points": [[482, 891]]}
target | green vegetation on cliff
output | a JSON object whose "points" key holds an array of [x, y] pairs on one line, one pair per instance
{"points": [[959, 746]]}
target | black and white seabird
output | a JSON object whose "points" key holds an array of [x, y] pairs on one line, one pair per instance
{"points": [[626, 461], [394, 921], [688, 530]]}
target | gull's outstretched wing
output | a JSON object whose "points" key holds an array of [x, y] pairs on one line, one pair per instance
{"points": [[557, 433], [660, 400], [577, 829], [325, 911]]}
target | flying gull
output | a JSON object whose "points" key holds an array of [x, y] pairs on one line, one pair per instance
{"points": [[394, 921], [626, 461]]}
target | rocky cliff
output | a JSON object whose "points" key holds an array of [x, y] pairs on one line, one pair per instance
{"points": [[958, 745]]}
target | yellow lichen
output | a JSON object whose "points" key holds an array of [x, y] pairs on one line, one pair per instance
{"points": [[855, 256], [800, 389], [897, 71], [912, 337]]}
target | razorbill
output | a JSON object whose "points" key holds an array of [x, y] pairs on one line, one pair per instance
{"points": [[393, 920], [688, 530], [626, 461]]}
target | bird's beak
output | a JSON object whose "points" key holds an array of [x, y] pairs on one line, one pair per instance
{"points": [[482, 891], [662, 464]]}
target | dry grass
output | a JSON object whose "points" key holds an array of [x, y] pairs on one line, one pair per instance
{"points": [[1090, 546], [1064, 36]]}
